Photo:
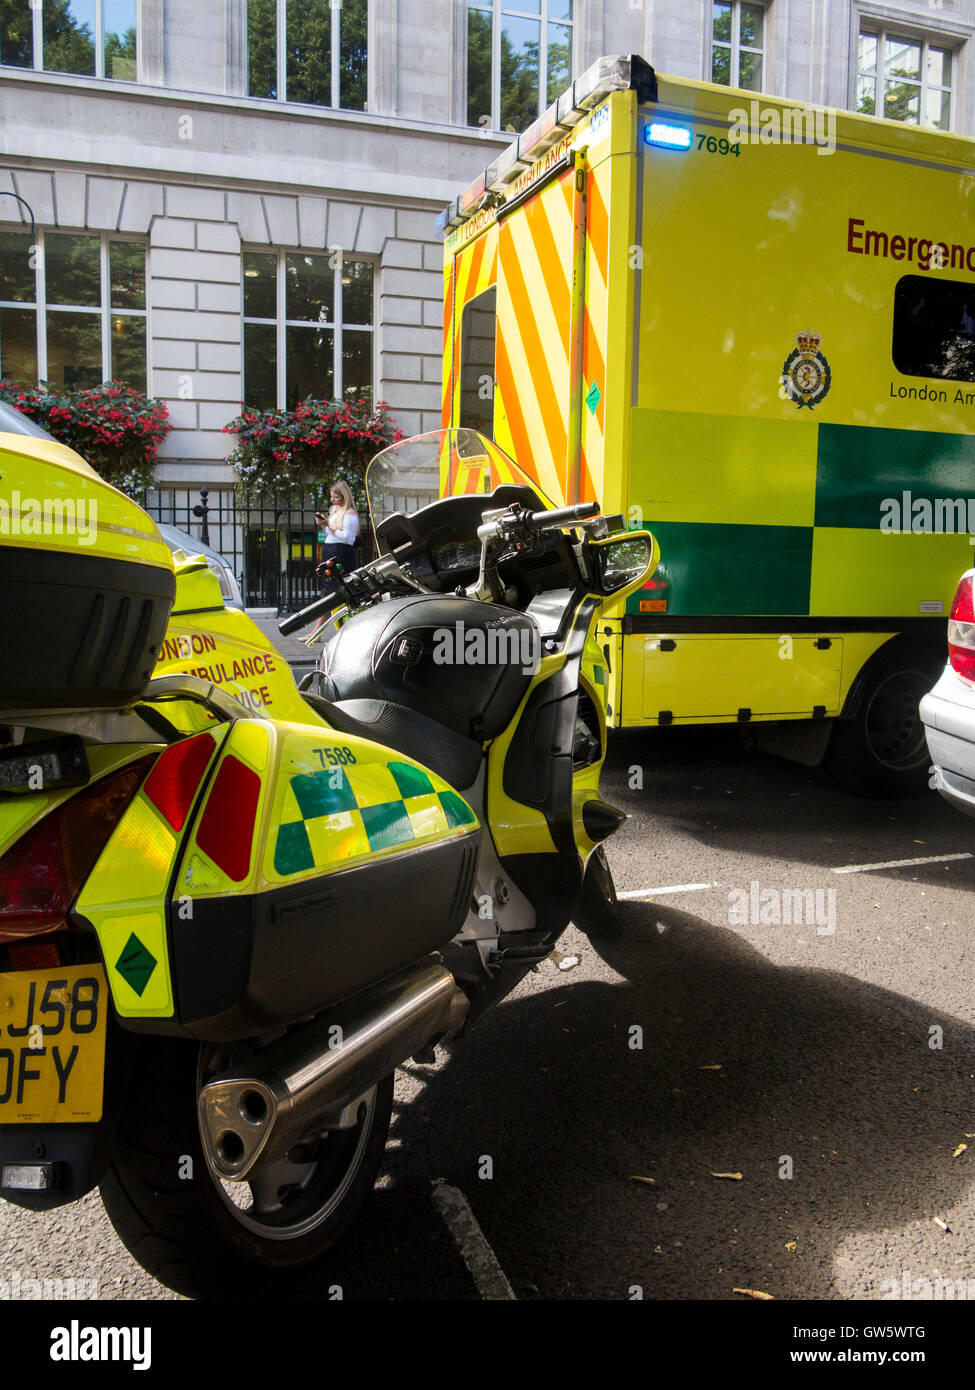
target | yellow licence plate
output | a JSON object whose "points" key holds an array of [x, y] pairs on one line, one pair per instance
{"points": [[52, 1045]]}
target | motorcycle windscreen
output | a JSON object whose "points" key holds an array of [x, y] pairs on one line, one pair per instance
{"points": [[410, 475]]}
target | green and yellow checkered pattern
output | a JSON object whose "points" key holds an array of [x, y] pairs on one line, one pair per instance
{"points": [[338, 814]]}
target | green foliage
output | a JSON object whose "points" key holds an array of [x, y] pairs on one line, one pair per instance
{"points": [[478, 68], [68, 45], [116, 429], [307, 449], [16, 34], [120, 54], [309, 51], [262, 48]]}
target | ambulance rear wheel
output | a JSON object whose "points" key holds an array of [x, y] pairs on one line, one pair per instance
{"points": [[882, 751]]}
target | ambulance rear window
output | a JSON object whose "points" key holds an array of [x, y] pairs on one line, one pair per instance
{"points": [[478, 332], [934, 328]]}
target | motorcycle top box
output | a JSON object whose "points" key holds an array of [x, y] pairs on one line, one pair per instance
{"points": [[87, 580]]}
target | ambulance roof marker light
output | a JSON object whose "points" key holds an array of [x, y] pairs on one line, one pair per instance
{"points": [[668, 136], [616, 73]]}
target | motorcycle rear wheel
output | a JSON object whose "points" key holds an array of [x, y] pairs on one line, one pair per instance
{"points": [[209, 1239]]}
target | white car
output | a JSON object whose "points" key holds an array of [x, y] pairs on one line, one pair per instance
{"points": [[948, 711]]}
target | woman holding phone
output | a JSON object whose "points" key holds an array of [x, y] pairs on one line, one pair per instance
{"points": [[337, 535], [338, 531]]}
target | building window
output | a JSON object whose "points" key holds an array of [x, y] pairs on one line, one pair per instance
{"points": [[94, 38], [314, 51], [72, 309], [519, 60], [308, 328], [738, 45], [903, 79]]}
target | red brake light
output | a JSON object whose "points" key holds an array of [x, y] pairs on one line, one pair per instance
{"points": [[961, 631], [172, 783], [43, 872]]}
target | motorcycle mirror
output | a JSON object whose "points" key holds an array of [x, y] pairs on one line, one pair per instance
{"points": [[621, 562]]}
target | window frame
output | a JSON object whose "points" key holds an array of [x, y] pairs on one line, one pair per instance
{"points": [[501, 9], [876, 26], [98, 39], [281, 324], [281, 56], [735, 46], [41, 306]]}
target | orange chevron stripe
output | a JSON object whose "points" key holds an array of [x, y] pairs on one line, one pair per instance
{"points": [[449, 346], [490, 269], [512, 407], [542, 383], [598, 226], [551, 261]]}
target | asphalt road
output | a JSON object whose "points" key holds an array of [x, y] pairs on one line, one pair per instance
{"points": [[839, 1047]]}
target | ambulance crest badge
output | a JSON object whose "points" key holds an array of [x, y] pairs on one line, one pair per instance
{"points": [[806, 377]]}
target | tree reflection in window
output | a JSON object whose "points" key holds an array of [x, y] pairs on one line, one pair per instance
{"points": [[934, 328]]}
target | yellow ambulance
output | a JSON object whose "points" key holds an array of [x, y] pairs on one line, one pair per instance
{"points": [[749, 326]]}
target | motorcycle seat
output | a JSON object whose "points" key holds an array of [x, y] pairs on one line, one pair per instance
{"points": [[449, 754]]}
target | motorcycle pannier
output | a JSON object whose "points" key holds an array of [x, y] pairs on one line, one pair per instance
{"points": [[86, 581]]}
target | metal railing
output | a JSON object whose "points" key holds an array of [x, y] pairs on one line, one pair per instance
{"points": [[271, 543]]}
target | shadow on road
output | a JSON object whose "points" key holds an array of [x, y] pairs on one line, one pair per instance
{"points": [[704, 784], [835, 1074]]}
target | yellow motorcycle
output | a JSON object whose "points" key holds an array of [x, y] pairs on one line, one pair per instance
{"points": [[229, 909]]}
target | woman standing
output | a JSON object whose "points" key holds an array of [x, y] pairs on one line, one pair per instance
{"points": [[337, 536], [338, 531]]}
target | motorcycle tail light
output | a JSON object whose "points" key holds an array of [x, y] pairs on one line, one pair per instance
{"points": [[961, 631], [43, 872]]}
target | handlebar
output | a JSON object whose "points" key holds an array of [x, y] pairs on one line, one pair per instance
{"points": [[563, 516], [318, 609]]}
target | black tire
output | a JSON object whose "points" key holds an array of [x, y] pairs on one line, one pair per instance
{"points": [[598, 913], [883, 750], [181, 1223]]}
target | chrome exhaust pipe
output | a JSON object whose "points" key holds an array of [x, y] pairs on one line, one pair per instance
{"points": [[316, 1075]]}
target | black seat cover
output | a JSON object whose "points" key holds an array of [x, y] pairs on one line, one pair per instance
{"points": [[450, 755], [464, 664]]}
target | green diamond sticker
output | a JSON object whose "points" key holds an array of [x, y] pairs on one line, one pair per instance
{"points": [[594, 397], [136, 964]]}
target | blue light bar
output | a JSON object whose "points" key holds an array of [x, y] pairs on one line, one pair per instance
{"points": [[669, 137]]}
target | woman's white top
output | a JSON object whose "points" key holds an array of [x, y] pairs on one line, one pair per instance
{"points": [[346, 533]]}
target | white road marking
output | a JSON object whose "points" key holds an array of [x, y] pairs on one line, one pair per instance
{"points": [[656, 892], [901, 863], [478, 1256]]}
